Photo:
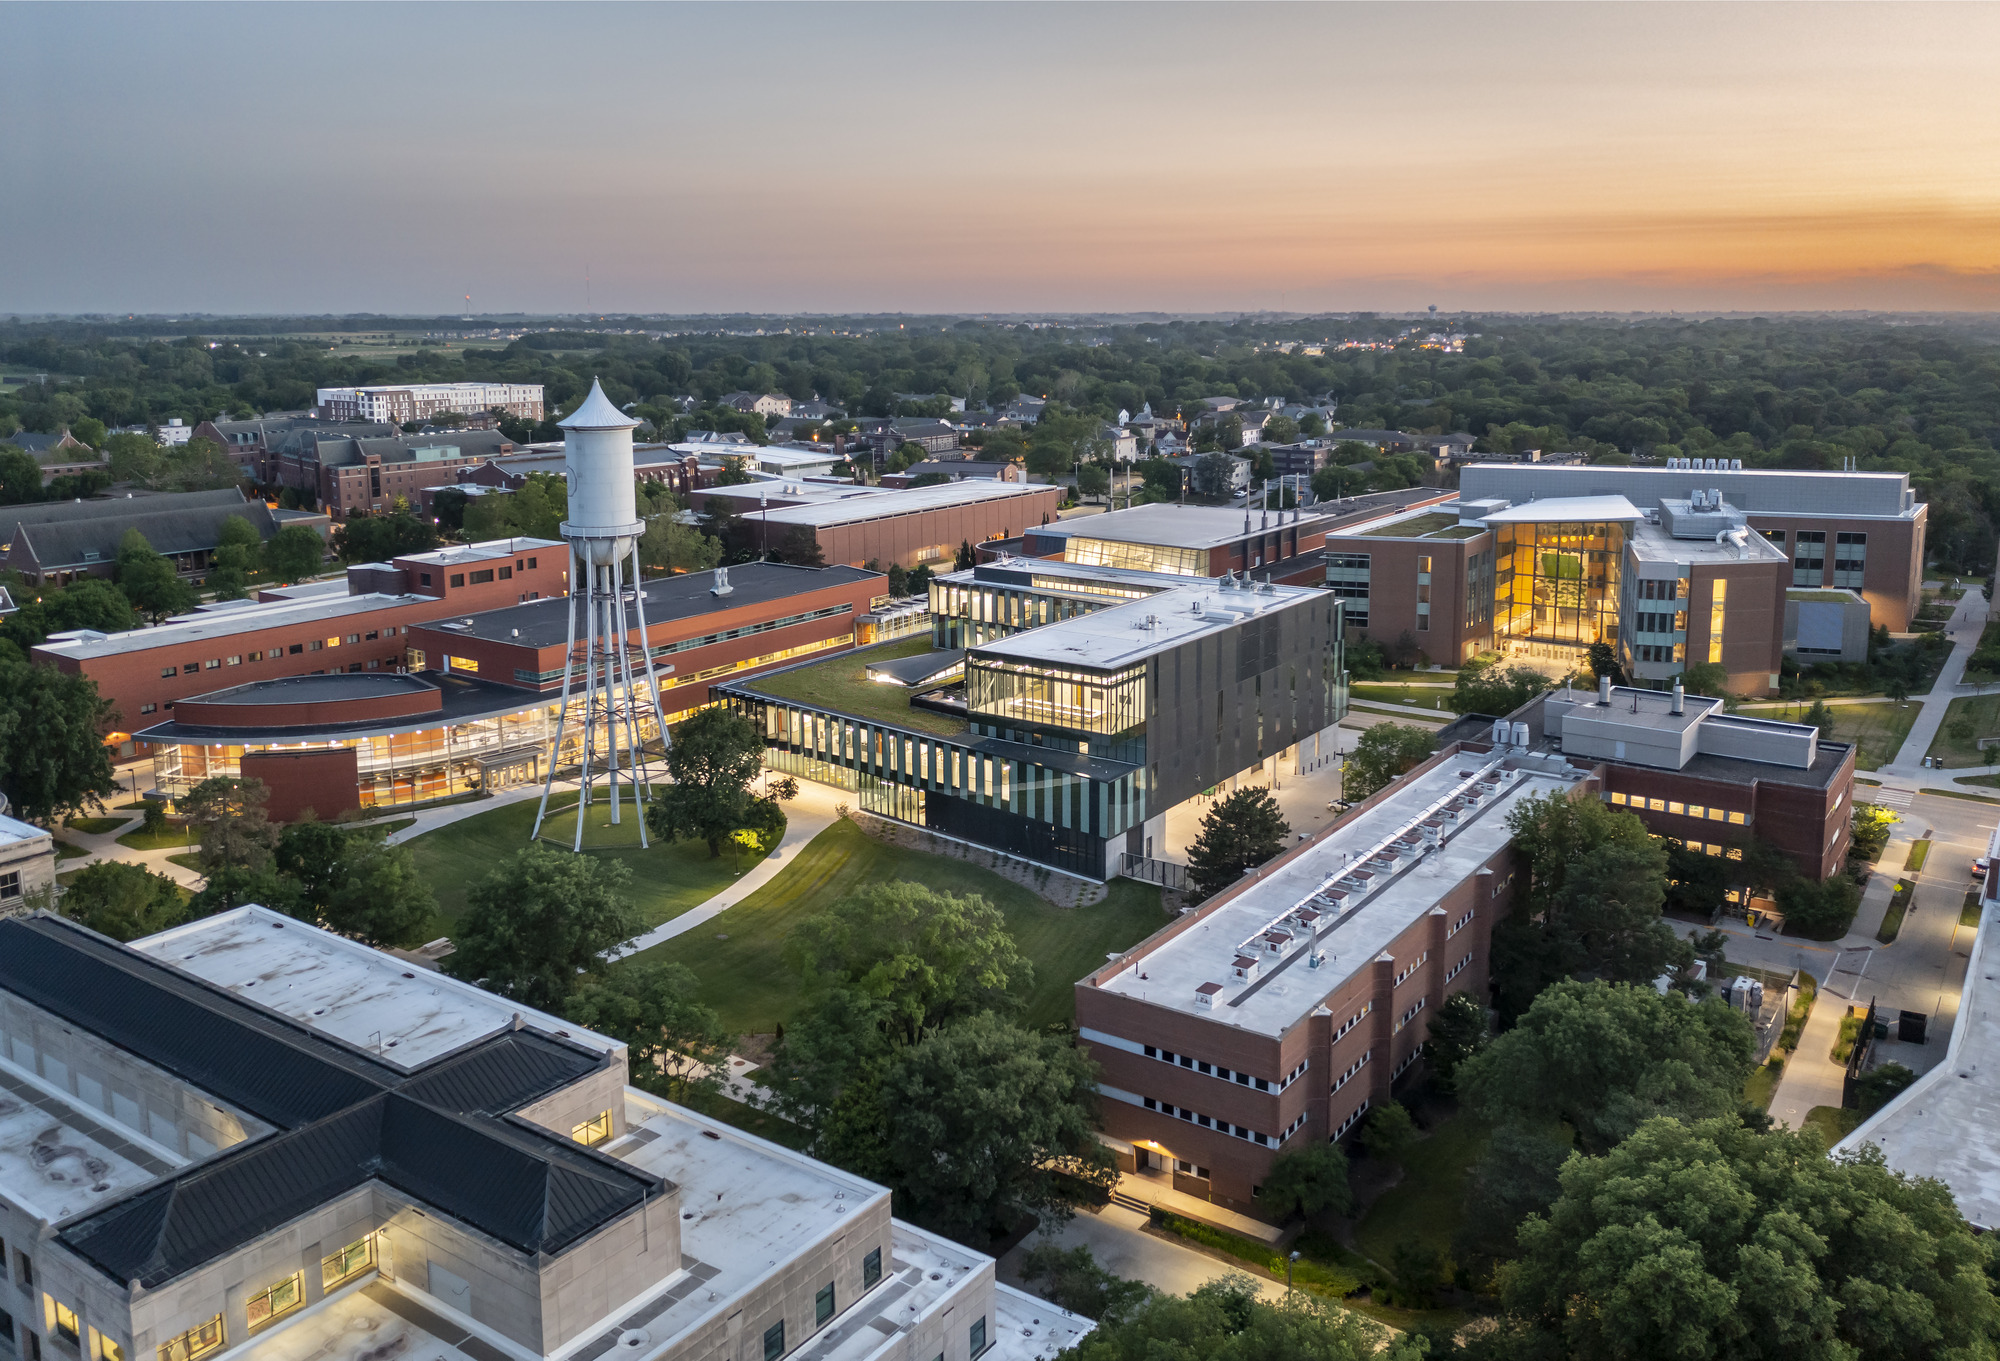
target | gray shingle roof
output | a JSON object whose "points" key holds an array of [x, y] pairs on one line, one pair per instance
{"points": [[68, 534]]}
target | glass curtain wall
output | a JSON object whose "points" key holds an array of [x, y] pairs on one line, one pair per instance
{"points": [[1081, 701], [1556, 588]]}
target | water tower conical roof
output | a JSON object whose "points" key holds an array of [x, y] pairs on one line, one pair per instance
{"points": [[597, 413]]}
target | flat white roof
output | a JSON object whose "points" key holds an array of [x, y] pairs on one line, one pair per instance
{"points": [[1356, 923], [481, 552], [402, 1014], [1652, 543], [194, 628], [881, 505], [1943, 1125], [14, 832], [1172, 525], [1123, 635], [57, 1159], [1566, 509]]}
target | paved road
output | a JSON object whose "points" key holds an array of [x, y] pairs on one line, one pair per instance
{"points": [[1116, 1239]]}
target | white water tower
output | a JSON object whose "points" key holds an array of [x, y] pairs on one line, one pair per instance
{"points": [[620, 690]]}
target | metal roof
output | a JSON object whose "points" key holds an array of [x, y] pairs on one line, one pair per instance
{"points": [[439, 1134]]}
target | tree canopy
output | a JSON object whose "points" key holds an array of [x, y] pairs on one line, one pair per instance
{"points": [[1380, 754], [713, 758], [539, 921], [123, 901], [1242, 830], [1709, 1239]]}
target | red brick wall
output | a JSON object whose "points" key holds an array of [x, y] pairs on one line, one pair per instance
{"points": [[325, 781], [1892, 584], [903, 538], [1753, 622]]}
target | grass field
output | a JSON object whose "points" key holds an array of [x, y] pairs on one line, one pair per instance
{"points": [[1833, 1122], [1965, 722], [1877, 729], [1428, 1205], [166, 839], [1968, 911], [1424, 695], [66, 851], [187, 860], [1763, 1084], [743, 979], [95, 826], [666, 880], [841, 682], [1444, 717]]}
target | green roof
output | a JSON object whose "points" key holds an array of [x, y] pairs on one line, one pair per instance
{"points": [[1416, 527], [841, 683]]}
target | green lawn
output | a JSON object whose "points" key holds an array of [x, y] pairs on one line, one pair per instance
{"points": [[1763, 1084], [95, 826], [1444, 716], [1428, 1205], [1968, 912], [1965, 722], [841, 682], [65, 851], [1427, 695], [1899, 905], [166, 839], [1833, 1122], [187, 860], [1878, 729], [666, 879], [743, 979]]}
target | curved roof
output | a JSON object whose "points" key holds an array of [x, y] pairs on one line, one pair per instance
{"points": [[597, 413]]}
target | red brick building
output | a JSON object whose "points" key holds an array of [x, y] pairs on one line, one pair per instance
{"points": [[145, 672], [1284, 1008]]}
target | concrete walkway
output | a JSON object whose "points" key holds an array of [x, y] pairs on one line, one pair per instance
{"points": [[1117, 1238], [1968, 620], [1811, 1077], [811, 813]]}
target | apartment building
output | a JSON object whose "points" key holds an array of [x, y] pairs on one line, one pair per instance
{"points": [[398, 404], [349, 475], [1284, 1008], [250, 1138]]}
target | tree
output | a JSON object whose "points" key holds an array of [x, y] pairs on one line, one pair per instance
{"points": [[1242, 830], [1821, 717], [1820, 911], [123, 901], [294, 553], [932, 957], [1714, 1240], [231, 886], [448, 508], [1604, 662], [236, 554], [1092, 480], [351, 881], [1496, 691], [235, 829], [86, 603], [800, 546], [982, 1121], [20, 476], [1073, 1280], [1225, 1320], [1389, 1131], [378, 538], [899, 580], [53, 761], [539, 921], [1596, 884], [667, 544], [1213, 475], [965, 557], [1383, 752], [1281, 430], [1604, 1057], [1457, 1032], [1697, 884], [1706, 678], [149, 580], [1310, 1181], [714, 757], [677, 1047]]}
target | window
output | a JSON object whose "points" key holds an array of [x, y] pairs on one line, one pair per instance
{"points": [[166, 671], [147, 708], [353, 637], [190, 668], [461, 664], [373, 634], [478, 578], [823, 1304], [592, 1132], [295, 649], [506, 574], [24, 1272], [349, 1262], [66, 1324], [978, 1335], [774, 1341], [1809, 558], [237, 660], [1718, 595], [256, 656], [212, 664], [283, 1297], [423, 578], [316, 645], [871, 1268], [531, 563], [197, 1341], [458, 578], [108, 1349]]}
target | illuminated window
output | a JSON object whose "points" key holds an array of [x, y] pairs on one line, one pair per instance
{"points": [[1737, 818], [1718, 594], [1716, 815], [594, 1131], [266, 1305], [107, 1348], [65, 1322], [197, 1341], [462, 664], [1675, 806], [333, 642], [1617, 798], [345, 1265]]}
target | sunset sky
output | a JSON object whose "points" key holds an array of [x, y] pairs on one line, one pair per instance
{"points": [[824, 157]]}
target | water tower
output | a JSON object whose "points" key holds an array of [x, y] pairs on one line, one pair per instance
{"points": [[619, 687]]}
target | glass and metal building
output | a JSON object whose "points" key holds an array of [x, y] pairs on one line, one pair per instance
{"points": [[1557, 571], [1088, 702]]}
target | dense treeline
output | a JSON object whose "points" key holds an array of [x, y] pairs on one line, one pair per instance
{"points": [[1775, 393]]}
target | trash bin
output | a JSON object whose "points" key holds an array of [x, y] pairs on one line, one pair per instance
{"points": [[1910, 1026]]}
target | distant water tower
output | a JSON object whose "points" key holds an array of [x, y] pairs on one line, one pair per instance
{"points": [[620, 691]]}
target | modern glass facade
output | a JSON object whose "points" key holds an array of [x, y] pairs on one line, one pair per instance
{"points": [[969, 613], [1556, 587], [1137, 557], [1048, 696]]}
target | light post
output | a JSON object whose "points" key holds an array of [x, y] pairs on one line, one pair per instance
{"points": [[1288, 1269]]}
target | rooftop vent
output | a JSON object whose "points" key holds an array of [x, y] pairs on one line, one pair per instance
{"points": [[1204, 996]]}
